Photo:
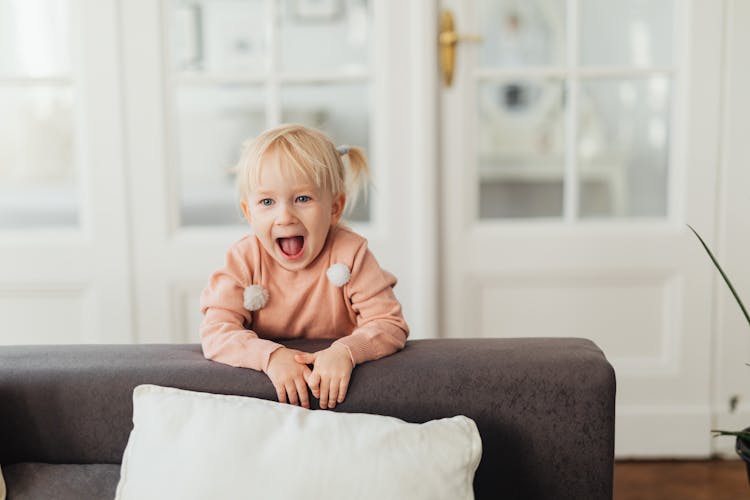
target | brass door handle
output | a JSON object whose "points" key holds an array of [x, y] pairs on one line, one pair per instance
{"points": [[447, 40]]}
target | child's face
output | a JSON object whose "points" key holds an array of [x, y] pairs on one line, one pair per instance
{"points": [[291, 216]]}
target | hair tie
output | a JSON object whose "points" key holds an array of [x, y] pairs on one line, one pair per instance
{"points": [[343, 150]]}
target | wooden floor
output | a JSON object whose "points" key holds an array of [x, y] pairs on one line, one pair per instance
{"points": [[681, 480]]}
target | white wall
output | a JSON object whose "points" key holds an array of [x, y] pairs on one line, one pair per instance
{"points": [[731, 331]]}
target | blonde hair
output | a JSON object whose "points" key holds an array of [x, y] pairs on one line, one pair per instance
{"points": [[311, 153]]}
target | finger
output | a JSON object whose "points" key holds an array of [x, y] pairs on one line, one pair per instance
{"points": [[302, 392], [333, 393], [314, 383], [291, 391], [305, 358], [324, 387], [281, 393], [343, 386]]}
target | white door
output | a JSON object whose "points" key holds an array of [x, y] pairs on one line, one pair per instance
{"points": [[578, 138], [202, 76], [63, 228]]}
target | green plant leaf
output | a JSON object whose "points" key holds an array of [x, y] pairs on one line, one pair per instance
{"points": [[723, 275], [744, 435]]}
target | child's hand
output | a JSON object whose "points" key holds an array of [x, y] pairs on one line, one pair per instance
{"points": [[331, 373], [288, 377]]}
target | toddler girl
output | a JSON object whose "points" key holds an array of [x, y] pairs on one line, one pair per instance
{"points": [[301, 274]]}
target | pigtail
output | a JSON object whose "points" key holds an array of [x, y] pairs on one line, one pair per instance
{"points": [[359, 174]]}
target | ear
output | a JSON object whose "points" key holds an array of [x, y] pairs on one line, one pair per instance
{"points": [[246, 212], [337, 208]]}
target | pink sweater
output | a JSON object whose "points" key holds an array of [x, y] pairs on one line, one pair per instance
{"points": [[364, 314]]}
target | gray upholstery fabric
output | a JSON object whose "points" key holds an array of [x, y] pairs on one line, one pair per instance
{"points": [[32, 481], [544, 407]]}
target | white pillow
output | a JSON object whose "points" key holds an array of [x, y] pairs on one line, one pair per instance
{"points": [[188, 445]]}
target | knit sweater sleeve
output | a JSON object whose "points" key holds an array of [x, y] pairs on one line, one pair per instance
{"points": [[225, 336], [381, 329]]}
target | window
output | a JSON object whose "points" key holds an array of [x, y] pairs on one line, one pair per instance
{"points": [[574, 106], [238, 68], [38, 140]]}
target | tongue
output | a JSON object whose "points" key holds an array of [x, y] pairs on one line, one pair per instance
{"points": [[291, 246]]}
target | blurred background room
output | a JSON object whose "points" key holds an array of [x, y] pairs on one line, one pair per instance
{"points": [[535, 164]]}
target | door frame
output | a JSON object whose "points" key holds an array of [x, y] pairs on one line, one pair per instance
{"points": [[425, 163]]}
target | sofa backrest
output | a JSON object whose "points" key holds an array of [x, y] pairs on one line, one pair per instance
{"points": [[544, 407]]}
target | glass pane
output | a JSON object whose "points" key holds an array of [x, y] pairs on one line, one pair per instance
{"points": [[340, 110], [34, 38], [636, 32], [521, 149], [219, 36], [623, 147], [521, 32], [212, 124], [325, 35], [37, 167]]}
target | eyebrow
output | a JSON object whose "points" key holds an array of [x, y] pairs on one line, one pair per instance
{"points": [[306, 187]]}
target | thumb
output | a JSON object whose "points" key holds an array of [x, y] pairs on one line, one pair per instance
{"points": [[305, 358]]}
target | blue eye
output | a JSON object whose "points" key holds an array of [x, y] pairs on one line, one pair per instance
{"points": [[266, 202], [303, 199]]}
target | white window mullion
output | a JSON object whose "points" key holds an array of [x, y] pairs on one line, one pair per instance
{"points": [[171, 86], [80, 131], [513, 73], [213, 80], [327, 77], [676, 192], [273, 90], [610, 72], [572, 84], [31, 81]]}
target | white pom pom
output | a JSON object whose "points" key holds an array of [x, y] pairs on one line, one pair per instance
{"points": [[255, 297], [339, 274]]}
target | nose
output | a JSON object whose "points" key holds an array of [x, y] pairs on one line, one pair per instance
{"points": [[285, 214]]}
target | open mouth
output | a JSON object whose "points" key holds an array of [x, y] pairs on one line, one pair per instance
{"points": [[291, 247]]}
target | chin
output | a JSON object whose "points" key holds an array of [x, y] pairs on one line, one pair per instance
{"points": [[299, 261]]}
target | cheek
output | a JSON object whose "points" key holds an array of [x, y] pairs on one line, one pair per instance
{"points": [[259, 213], [259, 223], [324, 226]]}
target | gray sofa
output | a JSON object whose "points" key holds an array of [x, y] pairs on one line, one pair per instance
{"points": [[544, 409]]}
